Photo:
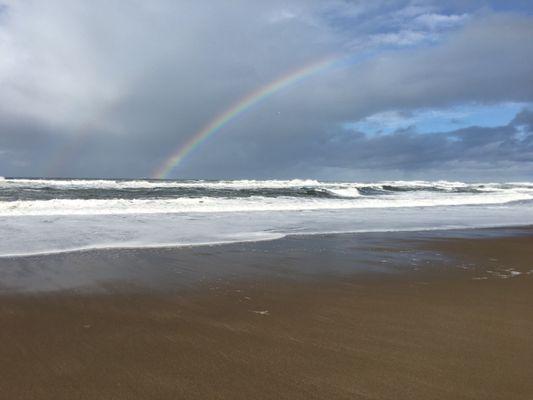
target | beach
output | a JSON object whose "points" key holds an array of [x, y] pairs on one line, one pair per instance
{"points": [[399, 315], [266, 200]]}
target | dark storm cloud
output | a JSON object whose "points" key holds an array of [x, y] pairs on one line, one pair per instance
{"points": [[485, 147], [101, 89], [504, 152]]}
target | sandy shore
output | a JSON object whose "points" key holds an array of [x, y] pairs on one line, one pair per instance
{"points": [[430, 315]]}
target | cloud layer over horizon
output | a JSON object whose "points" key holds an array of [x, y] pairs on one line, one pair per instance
{"points": [[103, 90]]}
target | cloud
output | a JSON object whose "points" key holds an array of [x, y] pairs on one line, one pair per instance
{"points": [[494, 153], [400, 38], [100, 89], [440, 21]]}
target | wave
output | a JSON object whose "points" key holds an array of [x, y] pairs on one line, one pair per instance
{"points": [[345, 192], [299, 187], [248, 204], [20, 197], [124, 184], [251, 184]]}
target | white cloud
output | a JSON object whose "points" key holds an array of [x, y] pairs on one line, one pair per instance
{"points": [[401, 38], [440, 21], [282, 15]]}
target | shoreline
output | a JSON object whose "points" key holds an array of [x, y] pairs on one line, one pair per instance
{"points": [[168, 268], [275, 236]]}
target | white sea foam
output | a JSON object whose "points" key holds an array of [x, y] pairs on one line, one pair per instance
{"points": [[345, 192], [252, 203], [25, 235]]}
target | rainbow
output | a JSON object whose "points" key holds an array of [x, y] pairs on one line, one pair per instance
{"points": [[237, 109]]}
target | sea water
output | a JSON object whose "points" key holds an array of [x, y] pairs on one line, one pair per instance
{"points": [[55, 215]]}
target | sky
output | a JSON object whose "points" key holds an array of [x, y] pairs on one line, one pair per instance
{"points": [[416, 89]]}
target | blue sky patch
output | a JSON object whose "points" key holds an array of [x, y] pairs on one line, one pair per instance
{"points": [[439, 120]]}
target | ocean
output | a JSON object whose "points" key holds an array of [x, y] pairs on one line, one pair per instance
{"points": [[40, 216]]}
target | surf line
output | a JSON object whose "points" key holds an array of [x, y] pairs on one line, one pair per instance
{"points": [[244, 104]]}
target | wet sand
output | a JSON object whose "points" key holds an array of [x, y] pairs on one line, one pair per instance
{"points": [[428, 315]]}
